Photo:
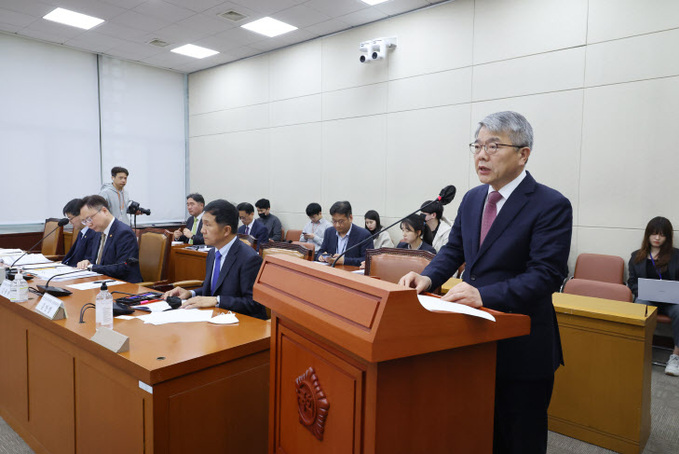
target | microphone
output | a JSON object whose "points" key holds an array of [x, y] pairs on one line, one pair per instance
{"points": [[62, 222], [446, 196], [58, 291], [129, 261]]}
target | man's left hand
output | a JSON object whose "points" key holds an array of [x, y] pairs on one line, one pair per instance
{"points": [[200, 301], [464, 293], [187, 233]]}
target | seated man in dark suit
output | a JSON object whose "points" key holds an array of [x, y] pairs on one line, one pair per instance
{"points": [[114, 244], [194, 224], [252, 226], [231, 266], [81, 243], [342, 236], [272, 223]]}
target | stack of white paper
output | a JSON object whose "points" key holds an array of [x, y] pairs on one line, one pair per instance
{"points": [[28, 259], [176, 316], [437, 304]]}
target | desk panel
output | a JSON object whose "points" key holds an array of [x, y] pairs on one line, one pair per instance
{"points": [[208, 383]]}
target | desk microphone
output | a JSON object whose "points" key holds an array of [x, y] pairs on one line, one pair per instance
{"points": [[446, 196], [59, 292], [62, 222]]}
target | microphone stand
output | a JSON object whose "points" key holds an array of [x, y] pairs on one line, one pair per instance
{"points": [[62, 222], [437, 199], [57, 291]]}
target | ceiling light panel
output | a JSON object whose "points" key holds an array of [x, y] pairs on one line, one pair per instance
{"points": [[268, 26], [68, 17]]}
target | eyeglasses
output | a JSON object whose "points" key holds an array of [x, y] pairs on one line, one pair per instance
{"points": [[490, 148], [88, 220], [339, 221]]}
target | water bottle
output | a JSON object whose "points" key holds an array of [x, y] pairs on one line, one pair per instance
{"points": [[18, 292], [104, 308]]}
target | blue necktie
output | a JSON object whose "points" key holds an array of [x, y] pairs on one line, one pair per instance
{"points": [[216, 270]]}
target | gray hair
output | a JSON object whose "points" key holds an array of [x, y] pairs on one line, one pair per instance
{"points": [[515, 124]]}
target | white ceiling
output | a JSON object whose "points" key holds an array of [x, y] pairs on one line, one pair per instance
{"points": [[131, 24]]}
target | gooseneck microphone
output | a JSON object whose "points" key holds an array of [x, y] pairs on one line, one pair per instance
{"points": [[446, 196], [62, 222], [58, 291]]}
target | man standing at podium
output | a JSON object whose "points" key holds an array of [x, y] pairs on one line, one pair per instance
{"points": [[231, 266], [514, 235]]}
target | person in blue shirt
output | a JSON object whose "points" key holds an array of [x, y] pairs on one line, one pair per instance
{"points": [[342, 236]]}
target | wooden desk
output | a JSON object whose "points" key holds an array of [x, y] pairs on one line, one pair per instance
{"points": [[186, 387], [186, 264], [603, 395]]}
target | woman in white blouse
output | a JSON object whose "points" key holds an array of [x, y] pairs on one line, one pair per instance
{"points": [[372, 224]]}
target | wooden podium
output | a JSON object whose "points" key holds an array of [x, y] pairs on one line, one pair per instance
{"points": [[359, 366]]}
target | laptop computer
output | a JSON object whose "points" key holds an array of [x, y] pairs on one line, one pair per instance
{"points": [[659, 290]]}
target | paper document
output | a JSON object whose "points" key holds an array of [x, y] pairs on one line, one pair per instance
{"points": [[176, 316], [48, 273], [158, 306], [4, 252], [224, 319], [28, 259], [89, 285], [437, 304]]}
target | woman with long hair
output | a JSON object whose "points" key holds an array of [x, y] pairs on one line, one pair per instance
{"points": [[658, 259], [373, 225], [416, 234]]}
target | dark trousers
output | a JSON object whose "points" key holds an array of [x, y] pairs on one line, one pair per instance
{"points": [[521, 415]]}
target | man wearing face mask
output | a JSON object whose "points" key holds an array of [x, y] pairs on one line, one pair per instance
{"points": [[271, 222]]}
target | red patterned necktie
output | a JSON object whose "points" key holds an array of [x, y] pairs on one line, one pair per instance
{"points": [[489, 214]]}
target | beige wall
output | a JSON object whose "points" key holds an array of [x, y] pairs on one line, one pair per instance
{"points": [[598, 79]]}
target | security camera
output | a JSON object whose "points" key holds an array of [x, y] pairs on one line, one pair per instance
{"points": [[375, 49]]}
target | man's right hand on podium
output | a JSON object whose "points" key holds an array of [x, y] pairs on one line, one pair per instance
{"points": [[416, 281]]}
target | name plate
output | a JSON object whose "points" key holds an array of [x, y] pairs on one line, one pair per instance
{"points": [[4, 288], [113, 340], [51, 307]]}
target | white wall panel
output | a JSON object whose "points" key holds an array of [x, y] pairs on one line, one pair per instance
{"points": [[432, 40], [427, 150], [296, 71], [637, 58], [613, 19], [305, 109], [507, 29], [554, 71], [354, 162], [430, 90], [295, 174], [628, 170], [355, 102]]}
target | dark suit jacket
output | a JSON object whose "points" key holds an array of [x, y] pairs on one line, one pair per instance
{"points": [[637, 270], [258, 230], [198, 237], [424, 247], [80, 247], [121, 244], [522, 261], [236, 279], [357, 234]]}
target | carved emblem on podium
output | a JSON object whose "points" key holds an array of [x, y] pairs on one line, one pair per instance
{"points": [[312, 404]]}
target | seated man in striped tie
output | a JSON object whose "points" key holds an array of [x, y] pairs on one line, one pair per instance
{"points": [[231, 266], [194, 224], [114, 244]]}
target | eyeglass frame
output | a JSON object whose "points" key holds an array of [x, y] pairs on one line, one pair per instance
{"points": [[473, 145], [88, 219]]}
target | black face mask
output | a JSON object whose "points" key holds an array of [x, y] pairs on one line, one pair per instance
{"points": [[263, 215]]}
